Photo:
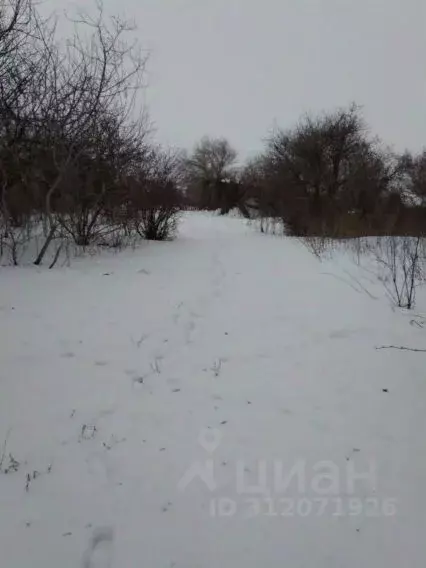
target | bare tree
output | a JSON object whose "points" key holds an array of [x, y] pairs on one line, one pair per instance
{"points": [[209, 168], [92, 94], [68, 132], [325, 176]]}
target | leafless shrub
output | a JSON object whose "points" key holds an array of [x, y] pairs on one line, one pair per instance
{"points": [[358, 248], [9, 464], [158, 222], [319, 246], [401, 260], [155, 199]]}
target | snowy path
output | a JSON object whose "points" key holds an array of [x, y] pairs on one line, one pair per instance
{"points": [[225, 350]]}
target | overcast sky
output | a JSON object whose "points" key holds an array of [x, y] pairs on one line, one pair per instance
{"points": [[236, 68]]}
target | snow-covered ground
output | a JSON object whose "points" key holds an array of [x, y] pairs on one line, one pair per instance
{"points": [[216, 401]]}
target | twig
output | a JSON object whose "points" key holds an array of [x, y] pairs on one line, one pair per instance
{"points": [[55, 258], [217, 366], [155, 366], [401, 348], [3, 450]]}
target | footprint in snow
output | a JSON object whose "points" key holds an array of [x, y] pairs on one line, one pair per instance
{"points": [[100, 545]]}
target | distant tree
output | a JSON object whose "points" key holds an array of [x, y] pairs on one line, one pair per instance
{"points": [[209, 171]]}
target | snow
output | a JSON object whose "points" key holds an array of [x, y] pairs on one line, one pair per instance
{"points": [[150, 388]]}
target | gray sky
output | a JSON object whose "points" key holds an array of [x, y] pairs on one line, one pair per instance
{"points": [[236, 68]]}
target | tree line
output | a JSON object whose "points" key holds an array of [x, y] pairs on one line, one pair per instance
{"points": [[78, 163], [324, 177]]}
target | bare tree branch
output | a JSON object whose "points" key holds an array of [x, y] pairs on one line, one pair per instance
{"points": [[401, 348]]}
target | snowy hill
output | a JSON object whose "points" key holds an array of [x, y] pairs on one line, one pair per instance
{"points": [[216, 401]]}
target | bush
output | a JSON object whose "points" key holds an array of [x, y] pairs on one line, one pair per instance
{"points": [[402, 262], [327, 178], [154, 197], [68, 144]]}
